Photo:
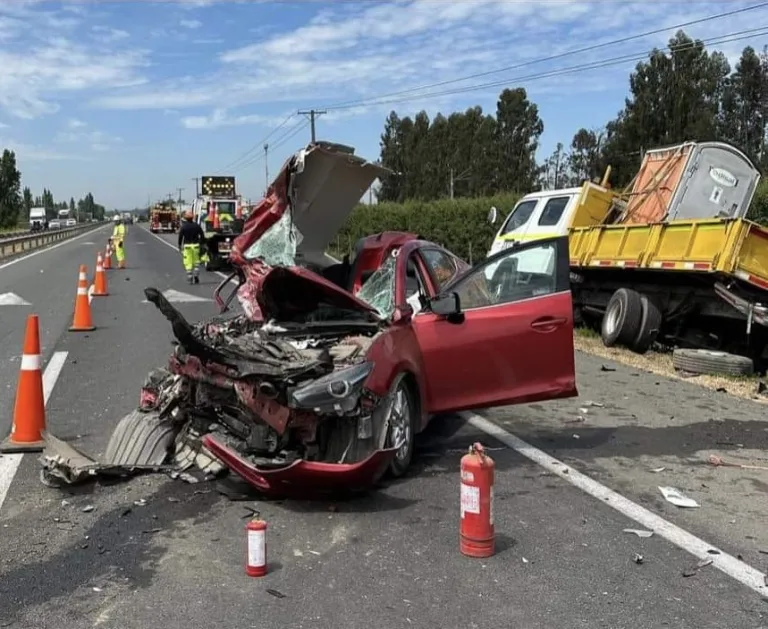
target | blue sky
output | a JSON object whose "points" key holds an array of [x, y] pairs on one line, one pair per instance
{"points": [[131, 100]]}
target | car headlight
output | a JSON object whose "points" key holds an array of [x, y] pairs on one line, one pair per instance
{"points": [[337, 391]]}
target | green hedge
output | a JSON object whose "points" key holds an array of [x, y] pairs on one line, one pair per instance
{"points": [[460, 225]]}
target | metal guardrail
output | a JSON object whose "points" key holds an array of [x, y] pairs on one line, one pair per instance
{"points": [[19, 244]]}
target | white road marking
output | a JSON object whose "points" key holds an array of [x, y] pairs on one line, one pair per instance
{"points": [[88, 243], [176, 249], [141, 242], [177, 296], [9, 463], [12, 299], [37, 252], [730, 565]]}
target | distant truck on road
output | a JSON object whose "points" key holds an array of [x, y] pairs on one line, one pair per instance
{"points": [[37, 219], [163, 219]]}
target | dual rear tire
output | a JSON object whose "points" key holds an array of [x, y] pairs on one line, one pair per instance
{"points": [[631, 319]]}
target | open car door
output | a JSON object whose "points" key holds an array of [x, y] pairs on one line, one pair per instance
{"points": [[502, 332]]}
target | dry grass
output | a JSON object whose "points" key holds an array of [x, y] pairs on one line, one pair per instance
{"points": [[660, 363]]}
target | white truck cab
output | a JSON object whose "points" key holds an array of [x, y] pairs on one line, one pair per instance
{"points": [[551, 213]]}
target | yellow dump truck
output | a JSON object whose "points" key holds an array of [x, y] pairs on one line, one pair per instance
{"points": [[669, 259]]}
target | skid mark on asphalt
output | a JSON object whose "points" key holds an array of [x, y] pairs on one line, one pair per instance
{"points": [[728, 564], [9, 463]]}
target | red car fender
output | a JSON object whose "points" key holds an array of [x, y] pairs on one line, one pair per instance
{"points": [[393, 352]]}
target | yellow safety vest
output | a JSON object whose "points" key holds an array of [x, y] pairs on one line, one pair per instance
{"points": [[118, 233]]}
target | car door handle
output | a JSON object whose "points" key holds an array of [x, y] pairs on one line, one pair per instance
{"points": [[547, 324]]}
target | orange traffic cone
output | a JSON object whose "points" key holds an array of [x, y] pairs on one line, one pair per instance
{"points": [[82, 321], [100, 281], [29, 408], [108, 257]]}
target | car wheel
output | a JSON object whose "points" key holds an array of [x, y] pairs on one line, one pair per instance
{"points": [[402, 426], [650, 324], [704, 361], [622, 318]]}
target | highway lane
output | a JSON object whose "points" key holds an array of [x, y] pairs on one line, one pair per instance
{"points": [[158, 552], [47, 281]]}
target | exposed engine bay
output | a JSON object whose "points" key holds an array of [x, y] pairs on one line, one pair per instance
{"points": [[274, 393]]}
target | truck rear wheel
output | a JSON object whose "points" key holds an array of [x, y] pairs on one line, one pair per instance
{"points": [[704, 361], [622, 318], [650, 324]]}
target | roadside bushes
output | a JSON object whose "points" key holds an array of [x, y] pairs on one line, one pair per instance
{"points": [[460, 225]]}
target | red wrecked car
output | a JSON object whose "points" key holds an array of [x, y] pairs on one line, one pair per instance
{"points": [[336, 365]]}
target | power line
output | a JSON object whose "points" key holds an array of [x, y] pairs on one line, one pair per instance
{"points": [[258, 144], [622, 40], [280, 141], [638, 56]]}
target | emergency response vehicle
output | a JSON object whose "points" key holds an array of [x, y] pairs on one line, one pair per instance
{"points": [[218, 210]]}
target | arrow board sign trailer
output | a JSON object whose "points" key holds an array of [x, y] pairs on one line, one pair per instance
{"points": [[175, 296], [12, 299]]}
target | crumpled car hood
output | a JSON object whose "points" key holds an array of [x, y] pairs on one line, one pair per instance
{"points": [[318, 188]]}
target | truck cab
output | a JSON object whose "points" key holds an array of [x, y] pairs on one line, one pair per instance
{"points": [[551, 213]]}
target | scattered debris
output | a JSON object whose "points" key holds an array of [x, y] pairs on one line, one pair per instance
{"points": [[762, 388], [525, 560], [95, 589], [763, 552], [676, 497], [690, 572], [65, 503], [604, 368], [579, 419], [576, 437], [639, 532], [596, 404], [712, 551], [88, 508], [656, 470], [141, 502], [275, 593], [638, 559], [151, 531], [720, 462]]}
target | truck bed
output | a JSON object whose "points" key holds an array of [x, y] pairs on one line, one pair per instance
{"points": [[735, 247]]}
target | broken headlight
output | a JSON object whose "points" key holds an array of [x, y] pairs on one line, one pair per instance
{"points": [[334, 393]]}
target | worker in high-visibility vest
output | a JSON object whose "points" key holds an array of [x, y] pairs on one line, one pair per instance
{"points": [[118, 241], [191, 240]]}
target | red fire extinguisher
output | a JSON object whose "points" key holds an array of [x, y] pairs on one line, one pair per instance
{"points": [[256, 555], [476, 531]]}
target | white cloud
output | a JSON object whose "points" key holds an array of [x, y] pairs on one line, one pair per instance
{"points": [[191, 23], [76, 124], [359, 50], [108, 35], [95, 140], [3, 125], [26, 152], [221, 118]]}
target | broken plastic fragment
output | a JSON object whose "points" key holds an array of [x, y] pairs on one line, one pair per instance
{"points": [[675, 497], [639, 532]]}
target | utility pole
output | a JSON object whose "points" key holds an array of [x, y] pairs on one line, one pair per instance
{"points": [[266, 168], [197, 187], [179, 191], [313, 114]]}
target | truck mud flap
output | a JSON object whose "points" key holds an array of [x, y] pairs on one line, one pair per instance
{"points": [[141, 439]]}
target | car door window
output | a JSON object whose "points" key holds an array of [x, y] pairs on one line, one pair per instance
{"points": [[534, 270], [441, 265]]}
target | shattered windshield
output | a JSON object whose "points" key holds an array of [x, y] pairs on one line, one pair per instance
{"points": [[277, 246], [379, 290]]}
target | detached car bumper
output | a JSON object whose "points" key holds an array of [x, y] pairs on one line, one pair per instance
{"points": [[301, 476]]}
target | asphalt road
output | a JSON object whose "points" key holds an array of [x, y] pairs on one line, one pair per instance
{"points": [[389, 559]]}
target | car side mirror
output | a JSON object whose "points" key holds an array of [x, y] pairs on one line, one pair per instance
{"points": [[493, 215], [446, 306]]}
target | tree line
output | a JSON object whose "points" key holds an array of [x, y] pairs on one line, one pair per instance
{"points": [[15, 203], [681, 94]]}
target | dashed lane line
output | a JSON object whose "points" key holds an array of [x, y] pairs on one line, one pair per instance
{"points": [[730, 565], [9, 463]]}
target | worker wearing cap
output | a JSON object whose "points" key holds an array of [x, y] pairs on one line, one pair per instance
{"points": [[118, 241], [191, 240]]}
